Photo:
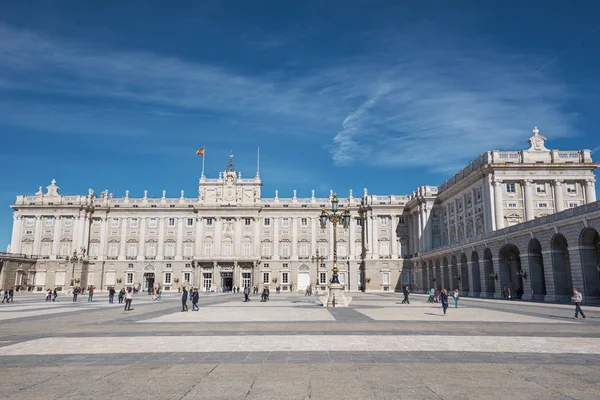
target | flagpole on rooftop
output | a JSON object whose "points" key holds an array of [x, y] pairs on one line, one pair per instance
{"points": [[203, 156]]}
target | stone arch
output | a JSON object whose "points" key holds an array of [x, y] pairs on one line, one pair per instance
{"points": [[454, 274], [476, 273], [465, 287], [589, 249], [561, 267], [445, 274], [437, 278], [509, 265], [304, 267], [537, 278], [488, 271]]}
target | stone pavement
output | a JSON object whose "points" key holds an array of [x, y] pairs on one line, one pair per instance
{"points": [[292, 348]]}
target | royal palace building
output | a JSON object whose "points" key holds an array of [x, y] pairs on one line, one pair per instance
{"points": [[229, 235]]}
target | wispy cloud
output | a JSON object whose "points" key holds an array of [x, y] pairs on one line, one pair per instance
{"points": [[415, 104]]}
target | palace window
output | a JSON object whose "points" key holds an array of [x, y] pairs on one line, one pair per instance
{"points": [[323, 278], [266, 250], [265, 277], [359, 221], [285, 222], [284, 265], [49, 221], [115, 223], [188, 265], [267, 221], [304, 221], [323, 265], [285, 250], [113, 250], [511, 204], [511, 188], [171, 221], [209, 221], [573, 204], [284, 277], [383, 220], [187, 277], [169, 265], [247, 221], [167, 278], [571, 188], [540, 188], [68, 221], [130, 266], [542, 205], [188, 249], [190, 222], [97, 223], [170, 249], [134, 222], [247, 248], [401, 219], [207, 249], [30, 221], [385, 278], [130, 277], [132, 250], [152, 223]]}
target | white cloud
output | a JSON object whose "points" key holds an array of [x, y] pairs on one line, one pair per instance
{"points": [[422, 103]]}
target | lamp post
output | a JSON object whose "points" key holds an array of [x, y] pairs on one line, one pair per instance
{"points": [[318, 258], [336, 296], [362, 212], [74, 259]]}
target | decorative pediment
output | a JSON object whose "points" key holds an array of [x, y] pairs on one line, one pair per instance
{"points": [[132, 241], [537, 141]]}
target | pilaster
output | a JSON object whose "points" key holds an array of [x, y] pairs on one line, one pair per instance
{"points": [[56, 238], [17, 232], [590, 190], [559, 203], [179, 250], [123, 242], [528, 200], [161, 239], [275, 238], [38, 235], [498, 206], [142, 247], [294, 238]]}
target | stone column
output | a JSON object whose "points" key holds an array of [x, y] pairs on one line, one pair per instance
{"points": [[237, 243], [419, 228], [528, 199], [142, 249], [103, 238], [470, 270], [549, 276], [217, 249], [527, 293], [179, 251], [275, 238], [15, 242], [428, 229], [498, 206], [123, 243], [488, 222], [86, 234], [56, 238], [38, 235], [590, 190], [497, 282], [199, 237], [76, 229], [160, 252], [294, 238], [393, 239], [236, 273], [313, 236], [352, 240], [256, 240], [375, 235], [559, 203]]}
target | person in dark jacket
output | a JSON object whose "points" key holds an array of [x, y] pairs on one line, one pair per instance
{"points": [[406, 292], [444, 300], [195, 298], [184, 299], [111, 295]]}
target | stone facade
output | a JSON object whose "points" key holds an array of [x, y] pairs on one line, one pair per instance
{"points": [[229, 235], [542, 259]]}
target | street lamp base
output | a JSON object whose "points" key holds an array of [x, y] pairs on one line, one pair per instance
{"points": [[335, 297]]}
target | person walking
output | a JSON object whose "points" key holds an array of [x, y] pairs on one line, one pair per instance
{"points": [[159, 294], [455, 295], [90, 293], [577, 298], [5, 298], [184, 299], [128, 299], [246, 294], [11, 293], [54, 295], [121, 295], [195, 298], [111, 295], [444, 300], [406, 292], [75, 293], [436, 295]]}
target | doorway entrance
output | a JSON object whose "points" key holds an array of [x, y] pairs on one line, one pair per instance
{"points": [[207, 281], [303, 280], [148, 281], [246, 279], [227, 281]]}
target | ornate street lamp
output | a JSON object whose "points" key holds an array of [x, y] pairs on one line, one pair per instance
{"points": [[74, 259], [362, 212], [335, 217]]}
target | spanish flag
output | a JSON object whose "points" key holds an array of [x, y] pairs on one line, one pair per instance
{"points": [[200, 152]]}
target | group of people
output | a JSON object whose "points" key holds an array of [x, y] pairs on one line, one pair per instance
{"points": [[8, 295], [193, 295]]}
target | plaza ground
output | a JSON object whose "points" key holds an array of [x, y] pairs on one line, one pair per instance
{"points": [[292, 348]]}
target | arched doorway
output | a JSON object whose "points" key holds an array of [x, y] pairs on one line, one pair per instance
{"points": [[437, 281], [488, 270], [510, 271], [454, 273], [148, 278], [445, 274], [476, 271], [537, 278], [561, 266], [303, 278], [589, 248], [464, 275]]}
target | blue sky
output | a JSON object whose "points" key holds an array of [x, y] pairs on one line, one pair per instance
{"points": [[347, 94]]}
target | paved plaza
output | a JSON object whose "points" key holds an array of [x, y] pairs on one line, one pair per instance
{"points": [[292, 348]]}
